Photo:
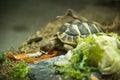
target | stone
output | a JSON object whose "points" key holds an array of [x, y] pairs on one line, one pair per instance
{"points": [[45, 70]]}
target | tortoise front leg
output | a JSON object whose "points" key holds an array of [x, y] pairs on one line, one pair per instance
{"points": [[67, 47]]}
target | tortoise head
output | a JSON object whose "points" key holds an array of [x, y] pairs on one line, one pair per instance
{"points": [[47, 44], [50, 44]]}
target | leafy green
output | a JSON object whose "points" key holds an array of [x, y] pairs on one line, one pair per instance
{"points": [[84, 59], [20, 70], [71, 72], [2, 56], [90, 49], [97, 52], [110, 63]]}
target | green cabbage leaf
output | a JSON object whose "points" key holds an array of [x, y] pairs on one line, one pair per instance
{"points": [[97, 52]]}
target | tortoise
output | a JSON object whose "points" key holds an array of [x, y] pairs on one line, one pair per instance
{"points": [[65, 38]]}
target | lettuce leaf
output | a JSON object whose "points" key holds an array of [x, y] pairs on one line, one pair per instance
{"points": [[90, 49], [97, 52], [110, 63]]}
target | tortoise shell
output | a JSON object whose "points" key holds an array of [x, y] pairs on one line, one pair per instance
{"points": [[72, 30]]}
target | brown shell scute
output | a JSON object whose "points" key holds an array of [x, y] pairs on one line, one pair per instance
{"points": [[72, 30]]}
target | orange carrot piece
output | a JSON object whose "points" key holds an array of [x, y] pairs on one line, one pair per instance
{"points": [[20, 56], [94, 78], [17, 56], [9, 55], [49, 55]]}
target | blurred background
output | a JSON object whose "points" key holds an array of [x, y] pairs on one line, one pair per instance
{"points": [[19, 19]]}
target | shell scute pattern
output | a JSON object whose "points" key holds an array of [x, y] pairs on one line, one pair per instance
{"points": [[72, 30]]}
